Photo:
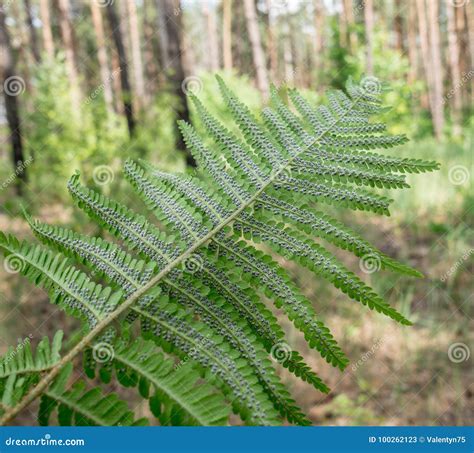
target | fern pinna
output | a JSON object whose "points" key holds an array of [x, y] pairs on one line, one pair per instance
{"points": [[198, 279]]}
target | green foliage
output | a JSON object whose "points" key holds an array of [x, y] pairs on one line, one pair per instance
{"points": [[198, 277]]}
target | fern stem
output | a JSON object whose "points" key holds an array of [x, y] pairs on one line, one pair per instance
{"points": [[128, 303]]}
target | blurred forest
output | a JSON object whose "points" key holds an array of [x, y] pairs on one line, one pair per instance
{"points": [[88, 83]]}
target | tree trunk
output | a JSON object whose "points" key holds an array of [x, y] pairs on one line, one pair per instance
{"points": [[350, 21], [271, 42], [176, 77], [398, 25], [227, 34], [319, 21], [163, 33], [425, 51], [369, 26], [212, 46], [68, 41], [123, 65], [48, 42], [435, 53], [257, 51], [151, 69], [32, 31], [453, 52], [136, 54], [12, 87], [412, 44], [102, 54]]}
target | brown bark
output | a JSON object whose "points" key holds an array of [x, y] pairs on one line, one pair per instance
{"points": [[435, 54], [369, 26], [398, 25], [10, 83], [161, 24], [212, 46], [175, 73], [257, 51], [48, 42], [102, 54], [123, 65], [227, 34], [150, 52], [453, 54], [137, 63], [65, 27], [425, 51], [350, 21], [412, 43], [32, 30]]}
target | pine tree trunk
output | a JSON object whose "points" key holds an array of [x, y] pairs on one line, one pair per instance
{"points": [[350, 21], [68, 41], [257, 51], [114, 23], [369, 26], [227, 34], [163, 34], [32, 30], [175, 70], [137, 63], [435, 54], [319, 21], [412, 44], [11, 84], [102, 54], [150, 52], [271, 42], [453, 53], [212, 46], [398, 26], [48, 42], [425, 50]]}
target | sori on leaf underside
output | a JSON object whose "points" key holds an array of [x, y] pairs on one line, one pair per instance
{"points": [[182, 305]]}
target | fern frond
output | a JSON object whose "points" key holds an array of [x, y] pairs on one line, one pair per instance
{"points": [[21, 368], [68, 287], [198, 280], [81, 407], [175, 393]]}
